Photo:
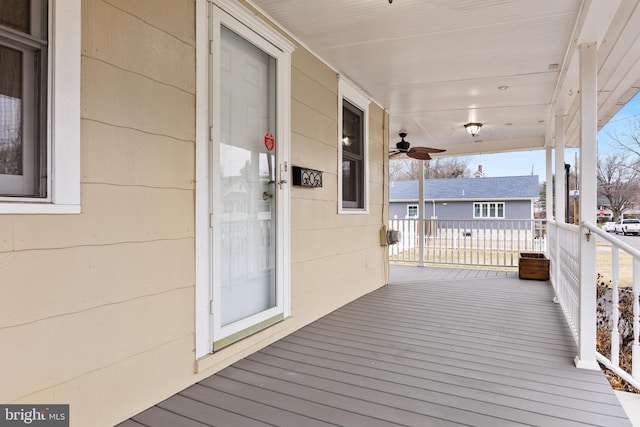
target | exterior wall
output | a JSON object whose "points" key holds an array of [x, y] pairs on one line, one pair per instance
{"points": [[514, 209], [97, 309], [335, 258]]}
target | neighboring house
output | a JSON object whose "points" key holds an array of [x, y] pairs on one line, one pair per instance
{"points": [[510, 197], [604, 212]]}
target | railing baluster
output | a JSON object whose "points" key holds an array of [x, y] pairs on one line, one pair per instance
{"points": [[413, 230], [484, 244], [635, 350], [472, 244], [512, 247], [504, 247], [615, 309], [490, 242], [466, 241]]}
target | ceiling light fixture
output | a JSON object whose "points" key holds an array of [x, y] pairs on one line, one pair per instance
{"points": [[473, 128]]}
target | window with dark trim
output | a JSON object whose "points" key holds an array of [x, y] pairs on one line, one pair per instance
{"points": [[23, 98], [353, 158]]}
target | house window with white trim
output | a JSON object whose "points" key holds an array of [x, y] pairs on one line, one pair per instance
{"points": [[23, 87], [412, 211], [488, 210], [34, 88], [353, 150]]}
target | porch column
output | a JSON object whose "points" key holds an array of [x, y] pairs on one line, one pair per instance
{"points": [[549, 213], [420, 230], [549, 181], [586, 357], [559, 202], [561, 185]]}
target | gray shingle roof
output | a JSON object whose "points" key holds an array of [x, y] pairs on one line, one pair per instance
{"points": [[494, 188]]}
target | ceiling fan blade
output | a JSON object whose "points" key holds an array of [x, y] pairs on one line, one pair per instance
{"points": [[429, 149], [394, 154], [414, 153]]}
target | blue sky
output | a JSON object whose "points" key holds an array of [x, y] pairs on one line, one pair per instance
{"points": [[524, 162]]}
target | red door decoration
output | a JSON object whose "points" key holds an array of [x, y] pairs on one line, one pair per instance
{"points": [[269, 141]]}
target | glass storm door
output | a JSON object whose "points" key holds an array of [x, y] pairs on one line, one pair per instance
{"points": [[246, 292]]}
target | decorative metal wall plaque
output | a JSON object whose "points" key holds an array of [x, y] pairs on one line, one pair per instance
{"points": [[306, 177]]}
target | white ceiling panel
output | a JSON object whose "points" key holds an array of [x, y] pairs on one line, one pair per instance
{"points": [[437, 64]]}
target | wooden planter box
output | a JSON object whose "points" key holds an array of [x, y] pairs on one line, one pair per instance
{"points": [[533, 265]]}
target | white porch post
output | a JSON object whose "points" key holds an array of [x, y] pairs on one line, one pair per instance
{"points": [[549, 210], [549, 180], [421, 213], [586, 357], [561, 185], [560, 205]]}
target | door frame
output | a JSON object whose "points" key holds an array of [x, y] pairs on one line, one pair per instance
{"points": [[239, 19]]}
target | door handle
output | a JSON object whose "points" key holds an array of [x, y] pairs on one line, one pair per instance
{"points": [[283, 174]]}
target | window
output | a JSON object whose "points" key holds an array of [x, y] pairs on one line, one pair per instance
{"points": [[412, 211], [23, 83], [39, 157], [488, 210], [353, 150]]}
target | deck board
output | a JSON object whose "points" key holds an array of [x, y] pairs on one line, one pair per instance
{"points": [[437, 377], [241, 399], [158, 417], [437, 346], [204, 412]]}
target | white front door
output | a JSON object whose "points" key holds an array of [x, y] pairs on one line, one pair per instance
{"points": [[248, 181]]}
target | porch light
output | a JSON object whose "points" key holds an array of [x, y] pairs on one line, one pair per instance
{"points": [[473, 128]]}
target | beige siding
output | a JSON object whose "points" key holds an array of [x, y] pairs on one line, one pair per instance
{"points": [[123, 156], [163, 45], [95, 276], [98, 308], [335, 258], [96, 305], [6, 241]]}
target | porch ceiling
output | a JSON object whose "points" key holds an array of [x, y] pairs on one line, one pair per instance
{"points": [[438, 64]]}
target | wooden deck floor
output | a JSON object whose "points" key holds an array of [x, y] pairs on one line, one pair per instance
{"points": [[437, 347]]}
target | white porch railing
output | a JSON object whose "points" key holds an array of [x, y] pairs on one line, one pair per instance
{"points": [[487, 242], [620, 321], [564, 252]]}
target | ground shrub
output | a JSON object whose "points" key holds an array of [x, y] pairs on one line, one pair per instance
{"points": [[625, 327]]}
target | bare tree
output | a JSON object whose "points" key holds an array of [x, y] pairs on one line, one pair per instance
{"points": [[447, 168], [629, 138], [405, 169], [618, 181], [401, 169]]}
